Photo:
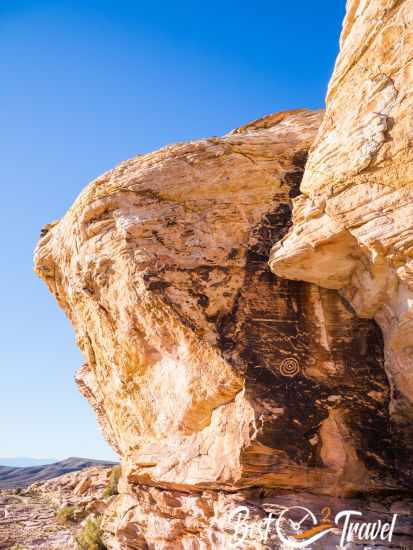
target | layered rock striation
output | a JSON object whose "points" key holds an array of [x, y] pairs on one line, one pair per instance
{"points": [[210, 375], [206, 370], [217, 380], [353, 222]]}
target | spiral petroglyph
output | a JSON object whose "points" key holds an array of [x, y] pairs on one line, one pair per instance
{"points": [[289, 367]]}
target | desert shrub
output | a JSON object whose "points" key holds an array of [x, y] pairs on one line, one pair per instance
{"points": [[71, 514], [112, 486], [90, 537], [67, 514]]}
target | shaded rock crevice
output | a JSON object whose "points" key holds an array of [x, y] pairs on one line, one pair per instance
{"points": [[352, 226]]}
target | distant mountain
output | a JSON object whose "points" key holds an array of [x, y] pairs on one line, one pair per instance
{"points": [[22, 461], [13, 477]]}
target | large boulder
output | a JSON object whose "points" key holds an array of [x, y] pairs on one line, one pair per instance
{"points": [[205, 369]]}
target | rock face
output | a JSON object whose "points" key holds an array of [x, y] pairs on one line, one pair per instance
{"points": [[207, 372], [353, 223], [173, 520], [150, 517], [204, 368], [220, 382]]}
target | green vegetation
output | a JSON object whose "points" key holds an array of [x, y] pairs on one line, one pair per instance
{"points": [[90, 538], [66, 515], [70, 514], [112, 486]]}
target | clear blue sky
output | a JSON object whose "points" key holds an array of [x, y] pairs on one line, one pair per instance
{"points": [[85, 85]]}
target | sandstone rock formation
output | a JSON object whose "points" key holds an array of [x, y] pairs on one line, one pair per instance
{"points": [[353, 223], [208, 373], [220, 382], [155, 518], [151, 518], [204, 369]]}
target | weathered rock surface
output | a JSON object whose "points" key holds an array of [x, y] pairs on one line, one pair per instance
{"points": [[205, 369], [212, 376], [153, 518], [207, 372], [85, 489], [149, 517], [353, 224], [30, 519]]}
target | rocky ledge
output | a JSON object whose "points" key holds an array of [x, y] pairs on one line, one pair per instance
{"points": [[83, 511]]}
